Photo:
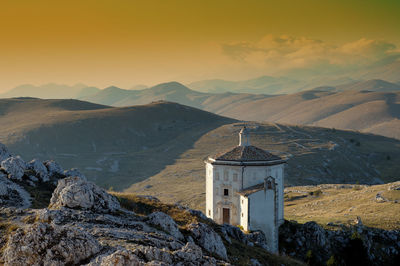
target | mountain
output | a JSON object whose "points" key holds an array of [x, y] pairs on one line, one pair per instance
{"points": [[260, 85], [49, 91], [173, 92], [368, 106], [366, 111], [115, 147], [370, 85]]}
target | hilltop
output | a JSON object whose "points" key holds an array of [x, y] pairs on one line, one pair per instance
{"points": [[115, 147]]}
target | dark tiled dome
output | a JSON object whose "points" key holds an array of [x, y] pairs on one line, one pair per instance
{"points": [[246, 154]]}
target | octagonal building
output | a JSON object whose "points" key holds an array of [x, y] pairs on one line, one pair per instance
{"points": [[244, 186]]}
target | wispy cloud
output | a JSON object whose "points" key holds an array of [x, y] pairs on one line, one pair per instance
{"points": [[277, 54]]}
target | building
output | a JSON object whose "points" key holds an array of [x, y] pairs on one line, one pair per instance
{"points": [[244, 186]]}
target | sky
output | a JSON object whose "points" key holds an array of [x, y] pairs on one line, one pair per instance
{"points": [[128, 42]]}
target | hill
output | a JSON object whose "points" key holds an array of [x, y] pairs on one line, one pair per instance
{"points": [[316, 156], [366, 111], [50, 91], [115, 147]]}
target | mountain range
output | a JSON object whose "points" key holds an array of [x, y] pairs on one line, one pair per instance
{"points": [[162, 146]]}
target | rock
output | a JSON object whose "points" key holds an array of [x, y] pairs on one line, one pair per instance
{"points": [[379, 198], [255, 262], [207, 238], [15, 167], [121, 257], [12, 195], [74, 172], [4, 153], [166, 223], [358, 221], [76, 193], [53, 168], [44, 244], [189, 252], [198, 214], [40, 169], [258, 238], [155, 254]]}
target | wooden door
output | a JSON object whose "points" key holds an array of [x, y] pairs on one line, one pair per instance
{"points": [[226, 217]]}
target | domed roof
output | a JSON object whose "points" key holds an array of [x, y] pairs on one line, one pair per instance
{"points": [[246, 154]]}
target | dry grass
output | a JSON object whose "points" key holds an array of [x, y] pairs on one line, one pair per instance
{"points": [[343, 205]]}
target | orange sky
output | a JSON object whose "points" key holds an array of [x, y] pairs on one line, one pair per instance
{"points": [[127, 42]]}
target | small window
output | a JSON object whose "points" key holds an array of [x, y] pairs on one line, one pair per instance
{"points": [[242, 202], [209, 212], [242, 214], [226, 192]]}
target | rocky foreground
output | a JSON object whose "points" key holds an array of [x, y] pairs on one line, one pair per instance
{"points": [[79, 223]]}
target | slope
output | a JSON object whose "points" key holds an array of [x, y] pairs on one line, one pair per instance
{"points": [[316, 156], [115, 147]]}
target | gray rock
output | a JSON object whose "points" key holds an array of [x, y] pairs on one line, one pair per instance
{"points": [[166, 223], [120, 257], [207, 238], [76, 193], [189, 252], [14, 167], [53, 167], [40, 169], [12, 195], [44, 244], [4, 153], [74, 172]]}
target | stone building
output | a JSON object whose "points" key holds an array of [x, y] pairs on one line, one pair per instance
{"points": [[244, 186]]}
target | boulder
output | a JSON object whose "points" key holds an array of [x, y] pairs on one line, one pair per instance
{"points": [[166, 223], [120, 257], [53, 168], [45, 244], [12, 195], [207, 238], [4, 153], [74, 172], [14, 167], [77, 193], [190, 252], [40, 169]]}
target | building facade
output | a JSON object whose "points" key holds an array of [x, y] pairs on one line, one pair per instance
{"points": [[244, 186]]}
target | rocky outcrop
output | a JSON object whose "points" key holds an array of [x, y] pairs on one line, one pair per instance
{"points": [[53, 168], [74, 172], [14, 166], [166, 223], [13, 195], [207, 238], [77, 193], [310, 242], [4, 153], [44, 244], [120, 257], [39, 169]]}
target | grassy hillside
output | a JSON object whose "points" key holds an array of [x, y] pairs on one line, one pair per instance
{"points": [[315, 156], [115, 147], [341, 204]]}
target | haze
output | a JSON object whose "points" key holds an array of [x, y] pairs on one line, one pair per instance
{"points": [[123, 43]]}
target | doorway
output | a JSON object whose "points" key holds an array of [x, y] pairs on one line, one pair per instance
{"points": [[226, 217]]}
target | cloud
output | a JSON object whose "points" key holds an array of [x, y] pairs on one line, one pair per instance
{"points": [[278, 54]]}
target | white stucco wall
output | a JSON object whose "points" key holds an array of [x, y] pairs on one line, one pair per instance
{"points": [[220, 177], [263, 216], [244, 216]]}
